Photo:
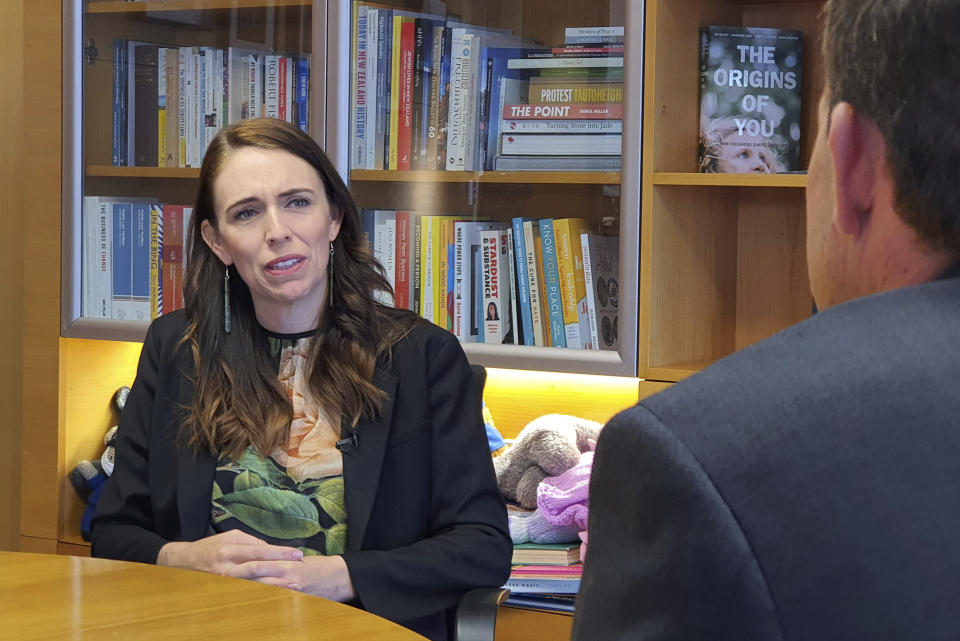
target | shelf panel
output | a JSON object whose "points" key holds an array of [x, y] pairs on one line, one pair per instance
{"points": [[143, 172], [143, 6], [730, 180], [678, 372], [522, 177]]}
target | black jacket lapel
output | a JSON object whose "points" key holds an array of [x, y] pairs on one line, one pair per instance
{"points": [[362, 464]]}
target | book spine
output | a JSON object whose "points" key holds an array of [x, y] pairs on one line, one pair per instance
{"points": [[569, 144], [183, 87], [145, 100], [564, 61], [395, 91], [390, 253], [542, 586], [417, 141], [88, 255], [303, 93], [570, 269], [490, 275], [589, 284], [562, 126], [530, 232], [405, 105], [593, 40], [523, 280], [443, 98], [172, 261], [209, 97], [173, 107], [103, 275], [384, 78], [461, 283], [130, 67], [470, 99], [426, 268], [402, 286], [511, 273], [283, 100], [119, 103], [156, 258], [416, 269], [449, 287], [593, 32], [563, 112], [122, 257], [373, 111], [256, 85], [271, 78], [162, 107], [551, 278], [441, 264], [358, 114], [575, 93], [140, 263], [459, 74]]}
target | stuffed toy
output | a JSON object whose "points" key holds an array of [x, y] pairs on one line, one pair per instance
{"points": [[548, 446], [88, 477]]}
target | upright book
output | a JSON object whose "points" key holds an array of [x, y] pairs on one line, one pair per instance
{"points": [[750, 84]]}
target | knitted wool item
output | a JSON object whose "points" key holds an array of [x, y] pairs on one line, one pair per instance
{"points": [[548, 446], [531, 527]]}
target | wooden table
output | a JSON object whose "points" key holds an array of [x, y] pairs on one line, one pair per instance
{"points": [[45, 596]]}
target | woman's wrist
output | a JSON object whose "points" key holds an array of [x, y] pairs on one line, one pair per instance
{"points": [[170, 553]]}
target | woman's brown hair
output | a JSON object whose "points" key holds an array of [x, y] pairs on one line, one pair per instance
{"points": [[238, 401]]}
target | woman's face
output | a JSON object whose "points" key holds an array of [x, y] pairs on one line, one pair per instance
{"points": [[275, 226]]}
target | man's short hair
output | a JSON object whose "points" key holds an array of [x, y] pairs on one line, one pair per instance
{"points": [[898, 63]]}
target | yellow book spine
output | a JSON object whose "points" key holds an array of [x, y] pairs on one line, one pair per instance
{"points": [[156, 239], [161, 138], [561, 232], [446, 233], [395, 91]]}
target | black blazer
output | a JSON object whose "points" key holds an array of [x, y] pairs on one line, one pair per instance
{"points": [[425, 520], [806, 488]]}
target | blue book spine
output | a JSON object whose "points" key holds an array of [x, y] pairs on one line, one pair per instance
{"points": [[523, 284], [451, 281], [384, 65], [122, 258], [303, 91], [367, 222], [551, 278], [140, 260]]}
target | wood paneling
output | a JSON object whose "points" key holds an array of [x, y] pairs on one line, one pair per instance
{"points": [[40, 472], [11, 267], [516, 624]]}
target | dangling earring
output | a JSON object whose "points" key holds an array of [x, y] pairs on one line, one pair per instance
{"points": [[226, 300], [330, 273]]}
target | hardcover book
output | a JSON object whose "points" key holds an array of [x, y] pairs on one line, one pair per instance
{"points": [[750, 84], [601, 267]]}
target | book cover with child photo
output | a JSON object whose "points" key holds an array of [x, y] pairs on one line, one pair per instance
{"points": [[750, 82]]}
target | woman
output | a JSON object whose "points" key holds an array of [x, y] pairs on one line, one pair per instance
{"points": [[286, 428]]}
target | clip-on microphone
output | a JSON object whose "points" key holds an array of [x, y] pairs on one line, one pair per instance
{"points": [[350, 443]]}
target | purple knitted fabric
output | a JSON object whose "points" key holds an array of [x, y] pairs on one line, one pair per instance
{"points": [[563, 499]]}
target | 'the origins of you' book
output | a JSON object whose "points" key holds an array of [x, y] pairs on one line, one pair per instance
{"points": [[750, 100]]}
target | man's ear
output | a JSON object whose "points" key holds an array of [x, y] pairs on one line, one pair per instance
{"points": [[859, 158], [212, 238]]}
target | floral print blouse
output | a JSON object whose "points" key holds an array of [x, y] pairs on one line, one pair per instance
{"points": [[295, 495]]}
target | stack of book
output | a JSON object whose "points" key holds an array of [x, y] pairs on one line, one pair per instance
{"points": [[561, 109], [169, 102], [545, 576], [539, 282], [132, 258]]}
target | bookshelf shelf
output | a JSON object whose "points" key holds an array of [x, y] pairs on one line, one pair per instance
{"points": [[517, 177], [730, 180], [143, 172], [144, 6], [676, 372]]}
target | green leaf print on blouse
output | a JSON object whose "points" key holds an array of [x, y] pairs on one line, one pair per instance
{"points": [[282, 514]]}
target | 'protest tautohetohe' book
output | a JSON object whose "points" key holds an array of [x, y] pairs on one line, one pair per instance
{"points": [[750, 80]]}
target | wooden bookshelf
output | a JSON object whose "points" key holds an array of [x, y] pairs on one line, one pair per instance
{"points": [[515, 177], [150, 6], [143, 172], [729, 180]]}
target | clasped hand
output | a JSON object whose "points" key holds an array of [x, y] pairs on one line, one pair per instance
{"points": [[238, 554]]}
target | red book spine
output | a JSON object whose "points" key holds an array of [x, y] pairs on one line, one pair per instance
{"points": [[406, 94], [282, 85], [606, 111]]}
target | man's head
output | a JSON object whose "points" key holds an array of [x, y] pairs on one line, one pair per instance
{"points": [[883, 199]]}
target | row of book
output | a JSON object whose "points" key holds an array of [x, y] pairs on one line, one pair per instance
{"points": [[432, 93], [545, 576], [133, 257], [169, 102], [538, 282]]}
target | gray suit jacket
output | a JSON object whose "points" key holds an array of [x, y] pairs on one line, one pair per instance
{"points": [[806, 488]]}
